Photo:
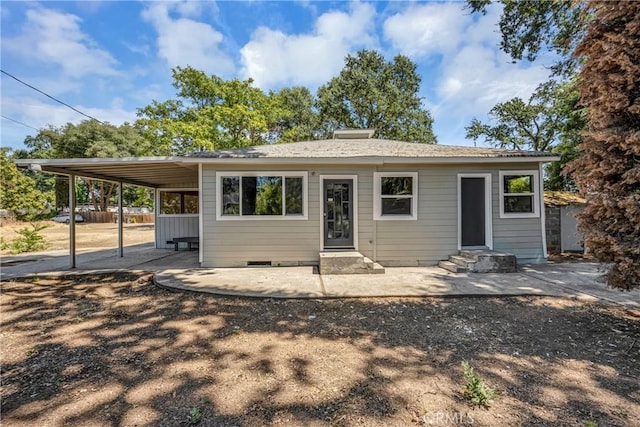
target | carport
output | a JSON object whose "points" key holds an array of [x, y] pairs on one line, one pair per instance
{"points": [[152, 172]]}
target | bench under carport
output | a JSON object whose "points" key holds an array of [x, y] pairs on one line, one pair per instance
{"points": [[188, 240]]}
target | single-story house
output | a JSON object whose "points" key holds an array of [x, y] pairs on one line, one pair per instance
{"points": [[397, 203]]}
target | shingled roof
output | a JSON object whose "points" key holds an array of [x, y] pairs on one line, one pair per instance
{"points": [[364, 148], [163, 171]]}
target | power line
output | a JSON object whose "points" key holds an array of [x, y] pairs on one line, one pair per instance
{"points": [[49, 96], [18, 122]]}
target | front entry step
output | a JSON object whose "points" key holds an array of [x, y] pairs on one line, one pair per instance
{"points": [[347, 263], [480, 261]]}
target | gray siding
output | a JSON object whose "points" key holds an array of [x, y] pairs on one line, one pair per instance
{"points": [[168, 227], [425, 241], [519, 236], [281, 242], [433, 236]]}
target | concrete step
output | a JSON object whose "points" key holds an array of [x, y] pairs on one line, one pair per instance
{"points": [[374, 267], [480, 261], [475, 253], [450, 266], [462, 261], [349, 262], [487, 261]]}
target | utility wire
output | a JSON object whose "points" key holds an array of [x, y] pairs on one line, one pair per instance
{"points": [[18, 122], [49, 96]]}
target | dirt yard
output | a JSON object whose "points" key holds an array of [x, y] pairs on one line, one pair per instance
{"points": [[117, 350], [88, 235]]}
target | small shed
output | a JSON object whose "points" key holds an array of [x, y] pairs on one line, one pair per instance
{"points": [[561, 208]]}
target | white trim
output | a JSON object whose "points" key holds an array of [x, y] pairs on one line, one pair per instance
{"points": [[543, 221], [535, 178], [200, 216], [488, 215], [285, 174], [377, 197], [156, 206], [371, 160], [168, 190], [354, 209]]}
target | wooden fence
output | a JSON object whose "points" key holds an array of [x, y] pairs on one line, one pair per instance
{"points": [[91, 216]]}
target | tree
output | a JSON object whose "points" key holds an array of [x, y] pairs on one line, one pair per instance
{"points": [[551, 120], [370, 92], [89, 138], [210, 113], [607, 57], [531, 125], [527, 27], [608, 168], [17, 191], [296, 118]]}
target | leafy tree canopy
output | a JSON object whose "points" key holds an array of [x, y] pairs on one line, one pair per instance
{"points": [[210, 113], [17, 191], [529, 27], [551, 120], [371, 92], [297, 119], [86, 139]]}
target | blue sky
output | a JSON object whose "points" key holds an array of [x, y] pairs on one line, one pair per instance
{"points": [[108, 58]]}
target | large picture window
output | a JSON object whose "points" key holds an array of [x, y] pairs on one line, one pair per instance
{"points": [[519, 194], [268, 195], [396, 195], [178, 202]]}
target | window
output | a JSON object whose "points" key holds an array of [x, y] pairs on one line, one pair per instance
{"points": [[396, 195], [262, 195], [519, 194], [178, 202]]}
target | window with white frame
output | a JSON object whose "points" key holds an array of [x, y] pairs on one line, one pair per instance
{"points": [[395, 195], [262, 195], [178, 202], [519, 194]]}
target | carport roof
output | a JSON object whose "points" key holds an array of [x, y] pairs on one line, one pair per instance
{"points": [[145, 171]]}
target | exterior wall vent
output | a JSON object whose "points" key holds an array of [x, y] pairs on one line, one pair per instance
{"points": [[353, 133]]}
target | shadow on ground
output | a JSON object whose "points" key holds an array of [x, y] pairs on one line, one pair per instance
{"points": [[113, 349]]}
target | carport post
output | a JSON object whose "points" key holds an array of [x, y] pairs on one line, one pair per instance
{"points": [[72, 221], [120, 221]]}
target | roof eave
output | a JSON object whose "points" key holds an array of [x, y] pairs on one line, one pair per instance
{"points": [[96, 160], [371, 160]]}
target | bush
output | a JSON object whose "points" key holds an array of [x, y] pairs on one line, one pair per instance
{"points": [[475, 389], [30, 240]]}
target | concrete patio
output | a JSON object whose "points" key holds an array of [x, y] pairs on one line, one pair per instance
{"points": [[180, 271]]}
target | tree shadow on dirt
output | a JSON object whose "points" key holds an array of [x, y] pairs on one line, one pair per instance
{"points": [[116, 350]]}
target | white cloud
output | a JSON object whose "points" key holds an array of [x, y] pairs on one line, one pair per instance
{"points": [[40, 114], [420, 31], [56, 38], [274, 58], [469, 73], [184, 41], [478, 75]]}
